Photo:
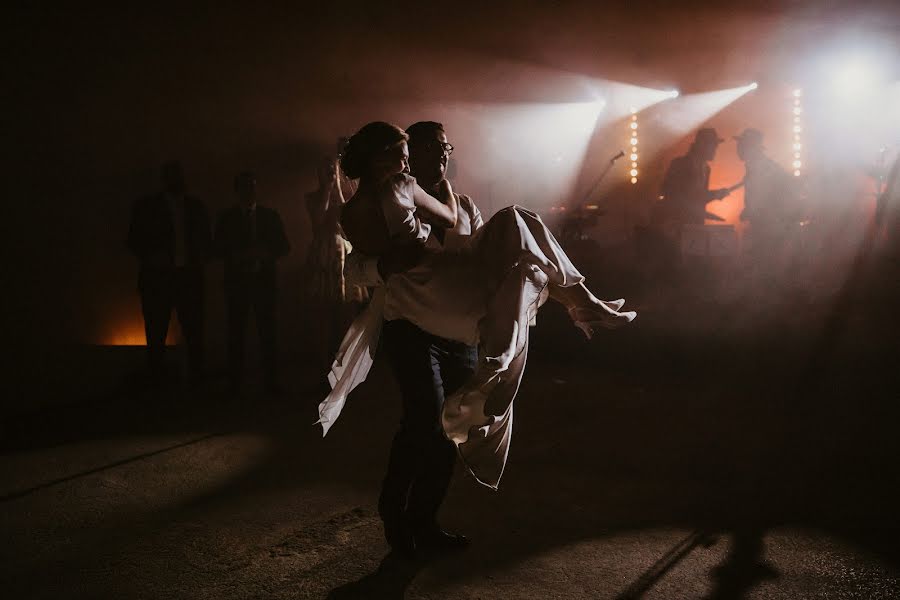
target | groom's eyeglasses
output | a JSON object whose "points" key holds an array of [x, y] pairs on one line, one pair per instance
{"points": [[443, 146]]}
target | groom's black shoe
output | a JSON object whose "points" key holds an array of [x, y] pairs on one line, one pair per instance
{"points": [[400, 538], [438, 541]]}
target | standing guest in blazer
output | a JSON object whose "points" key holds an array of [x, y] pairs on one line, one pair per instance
{"points": [[170, 237], [250, 239]]}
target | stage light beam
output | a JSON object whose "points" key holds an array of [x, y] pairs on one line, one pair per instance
{"points": [[691, 110], [856, 77]]}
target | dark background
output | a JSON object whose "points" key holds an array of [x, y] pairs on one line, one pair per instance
{"points": [[760, 421], [98, 99]]}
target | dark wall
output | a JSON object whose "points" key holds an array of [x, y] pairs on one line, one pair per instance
{"points": [[98, 100]]}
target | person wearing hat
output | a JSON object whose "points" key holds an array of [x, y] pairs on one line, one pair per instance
{"points": [[767, 187], [685, 188], [770, 206]]}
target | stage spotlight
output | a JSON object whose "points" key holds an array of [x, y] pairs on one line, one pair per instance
{"points": [[692, 110], [753, 85], [626, 100]]}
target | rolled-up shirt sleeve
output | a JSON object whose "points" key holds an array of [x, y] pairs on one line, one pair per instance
{"points": [[475, 214], [398, 205]]}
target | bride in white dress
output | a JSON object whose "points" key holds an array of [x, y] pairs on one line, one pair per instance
{"points": [[485, 291]]}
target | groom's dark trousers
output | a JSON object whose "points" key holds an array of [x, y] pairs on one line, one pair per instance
{"points": [[427, 369]]}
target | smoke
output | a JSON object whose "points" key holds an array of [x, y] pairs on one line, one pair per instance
{"points": [[688, 113]]}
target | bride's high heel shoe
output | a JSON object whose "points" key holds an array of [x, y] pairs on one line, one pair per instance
{"points": [[616, 305], [605, 314]]}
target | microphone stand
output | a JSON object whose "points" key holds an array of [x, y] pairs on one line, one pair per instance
{"points": [[576, 220], [606, 169]]}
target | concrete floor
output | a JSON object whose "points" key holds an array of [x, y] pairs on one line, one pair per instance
{"points": [[646, 464]]}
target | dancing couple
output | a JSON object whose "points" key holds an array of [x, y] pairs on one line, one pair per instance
{"points": [[447, 283]]}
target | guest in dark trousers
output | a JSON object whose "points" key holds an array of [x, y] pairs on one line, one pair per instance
{"points": [[170, 237], [250, 238]]}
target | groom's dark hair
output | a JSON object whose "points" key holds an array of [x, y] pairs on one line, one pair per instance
{"points": [[423, 129]]}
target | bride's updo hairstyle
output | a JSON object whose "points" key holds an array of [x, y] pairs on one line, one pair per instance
{"points": [[366, 144]]}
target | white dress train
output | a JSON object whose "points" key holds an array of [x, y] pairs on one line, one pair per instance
{"points": [[487, 292]]}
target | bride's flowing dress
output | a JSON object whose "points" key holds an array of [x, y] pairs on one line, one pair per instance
{"points": [[485, 291]]}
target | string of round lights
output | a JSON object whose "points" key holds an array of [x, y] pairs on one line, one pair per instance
{"points": [[633, 142], [797, 128]]}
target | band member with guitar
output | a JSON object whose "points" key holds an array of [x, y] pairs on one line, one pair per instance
{"points": [[769, 195], [685, 189]]}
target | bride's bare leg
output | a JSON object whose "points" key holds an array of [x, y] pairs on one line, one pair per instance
{"points": [[515, 233], [573, 295], [579, 296], [588, 311]]}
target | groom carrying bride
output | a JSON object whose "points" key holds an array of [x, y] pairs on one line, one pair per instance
{"points": [[427, 368], [470, 283]]}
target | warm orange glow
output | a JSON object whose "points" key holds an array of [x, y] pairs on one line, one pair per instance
{"points": [[131, 333], [726, 171]]}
